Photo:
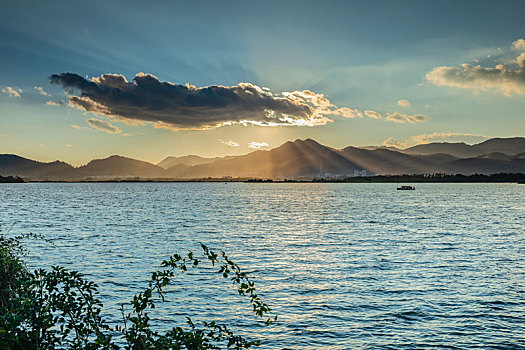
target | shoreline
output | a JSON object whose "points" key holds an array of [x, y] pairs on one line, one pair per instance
{"points": [[421, 178]]}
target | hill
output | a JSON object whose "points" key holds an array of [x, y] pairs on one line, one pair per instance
{"points": [[13, 165], [300, 159], [509, 146], [190, 160], [118, 166]]}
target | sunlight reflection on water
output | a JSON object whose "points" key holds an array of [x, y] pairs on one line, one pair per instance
{"points": [[343, 265]]}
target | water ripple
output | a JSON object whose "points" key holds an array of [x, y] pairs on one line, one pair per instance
{"points": [[344, 265]]}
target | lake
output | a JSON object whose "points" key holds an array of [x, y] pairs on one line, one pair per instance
{"points": [[344, 266]]}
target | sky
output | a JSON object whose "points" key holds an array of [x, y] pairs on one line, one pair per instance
{"points": [[88, 79]]}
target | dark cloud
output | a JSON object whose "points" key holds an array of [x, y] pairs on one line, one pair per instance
{"points": [[175, 106]]}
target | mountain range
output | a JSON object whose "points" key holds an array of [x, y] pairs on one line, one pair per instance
{"points": [[300, 159]]}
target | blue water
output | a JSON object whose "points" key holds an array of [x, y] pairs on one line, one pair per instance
{"points": [[344, 266]]}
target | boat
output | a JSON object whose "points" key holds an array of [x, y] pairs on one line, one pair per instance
{"points": [[406, 188]]}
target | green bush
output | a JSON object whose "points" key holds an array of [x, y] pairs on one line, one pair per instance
{"points": [[58, 309]]}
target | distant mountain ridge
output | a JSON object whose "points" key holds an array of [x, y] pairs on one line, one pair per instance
{"points": [[508, 146], [190, 160], [12, 165], [300, 159], [115, 166]]}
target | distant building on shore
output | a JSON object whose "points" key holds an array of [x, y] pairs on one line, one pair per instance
{"points": [[362, 172]]}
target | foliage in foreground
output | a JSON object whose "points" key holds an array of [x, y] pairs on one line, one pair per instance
{"points": [[58, 309]]}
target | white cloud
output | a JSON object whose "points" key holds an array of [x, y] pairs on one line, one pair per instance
{"points": [[104, 126], [78, 127], [392, 142], [41, 91], [53, 103], [434, 137], [520, 60], [347, 112], [8, 90], [404, 103], [373, 114], [257, 145], [406, 118], [519, 45], [500, 78], [230, 143]]}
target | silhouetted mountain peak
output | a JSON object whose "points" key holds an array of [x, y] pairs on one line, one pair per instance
{"points": [[308, 142]]}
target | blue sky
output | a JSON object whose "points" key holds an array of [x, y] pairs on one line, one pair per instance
{"points": [[363, 56]]}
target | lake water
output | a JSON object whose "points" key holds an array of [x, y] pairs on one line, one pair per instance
{"points": [[344, 266]]}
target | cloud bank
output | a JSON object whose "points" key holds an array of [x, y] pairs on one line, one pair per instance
{"points": [[103, 126], [501, 78], [174, 106], [179, 107]]}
